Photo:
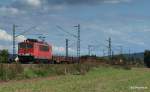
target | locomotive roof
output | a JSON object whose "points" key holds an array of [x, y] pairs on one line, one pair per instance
{"points": [[36, 41]]}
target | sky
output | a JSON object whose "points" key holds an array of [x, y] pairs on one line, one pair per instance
{"points": [[127, 22]]}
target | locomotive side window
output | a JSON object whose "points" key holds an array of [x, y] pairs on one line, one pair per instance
{"points": [[24, 45], [29, 46], [44, 48]]}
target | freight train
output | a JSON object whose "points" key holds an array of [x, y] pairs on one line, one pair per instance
{"points": [[34, 51]]}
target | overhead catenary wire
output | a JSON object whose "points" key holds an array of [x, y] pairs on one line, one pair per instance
{"points": [[26, 31], [61, 29]]}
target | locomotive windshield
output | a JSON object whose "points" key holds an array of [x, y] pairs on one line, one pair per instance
{"points": [[44, 48], [25, 45]]}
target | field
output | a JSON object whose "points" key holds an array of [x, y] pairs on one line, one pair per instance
{"points": [[102, 79]]}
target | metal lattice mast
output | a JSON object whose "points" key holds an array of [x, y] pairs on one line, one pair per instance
{"points": [[67, 49], [109, 48], [14, 41], [78, 42], [89, 50]]}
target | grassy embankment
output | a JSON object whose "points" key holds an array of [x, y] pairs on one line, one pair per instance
{"points": [[100, 79], [19, 71]]}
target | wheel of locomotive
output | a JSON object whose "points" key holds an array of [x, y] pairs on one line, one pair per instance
{"points": [[36, 61]]}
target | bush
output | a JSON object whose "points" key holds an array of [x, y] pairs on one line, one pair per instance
{"points": [[4, 56], [29, 73]]}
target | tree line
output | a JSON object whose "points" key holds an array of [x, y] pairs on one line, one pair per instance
{"points": [[147, 58]]}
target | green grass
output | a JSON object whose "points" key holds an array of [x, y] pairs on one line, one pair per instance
{"points": [[20, 72], [101, 79]]}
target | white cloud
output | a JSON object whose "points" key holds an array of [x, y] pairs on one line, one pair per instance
{"points": [[135, 41], [115, 32], [35, 3], [8, 10], [62, 49], [71, 50], [116, 1], [7, 37], [21, 38], [58, 49], [56, 8]]}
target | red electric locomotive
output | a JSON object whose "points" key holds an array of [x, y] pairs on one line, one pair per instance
{"points": [[32, 50]]}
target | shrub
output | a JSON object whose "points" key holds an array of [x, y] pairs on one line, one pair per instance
{"points": [[4, 56], [29, 73]]}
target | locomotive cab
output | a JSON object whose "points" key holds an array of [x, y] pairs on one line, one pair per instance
{"points": [[26, 51], [25, 48]]}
